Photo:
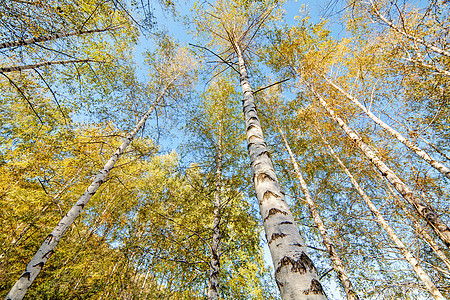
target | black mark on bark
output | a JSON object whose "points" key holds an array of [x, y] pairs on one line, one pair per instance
{"points": [[252, 119], [262, 153], [263, 176], [279, 283], [316, 288], [40, 265], [286, 222], [251, 126], [302, 265], [26, 274], [49, 238], [276, 236], [273, 211]]}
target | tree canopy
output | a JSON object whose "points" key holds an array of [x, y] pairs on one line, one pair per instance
{"points": [[256, 155]]}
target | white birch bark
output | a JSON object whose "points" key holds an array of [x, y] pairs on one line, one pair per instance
{"points": [[50, 37], [423, 276], [433, 146], [338, 266], [214, 264], [295, 273], [426, 65], [422, 208], [418, 228], [407, 35], [421, 153], [43, 64], [51, 241]]}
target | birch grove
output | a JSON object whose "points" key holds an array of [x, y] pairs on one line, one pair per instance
{"points": [[224, 150]]}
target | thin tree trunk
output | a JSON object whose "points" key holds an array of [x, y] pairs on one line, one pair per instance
{"points": [[51, 241], [426, 211], [423, 276], [338, 266], [421, 153], [143, 284], [43, 64], [295, 273], [214, 265], [426, 65], [45, 38], [407, 35], [434, 147], [418, 228]]}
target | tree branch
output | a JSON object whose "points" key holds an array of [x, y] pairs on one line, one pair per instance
{"points": [[46, 63], [23, 95], [266, 87], [204, 48]]}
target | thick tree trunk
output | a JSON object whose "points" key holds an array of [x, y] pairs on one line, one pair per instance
{"points": [[426, 211], [338, 266], [43, 64], [421, 153], [45, 38], [214, 265], [423, 276], [295, 273], [51, 241]]}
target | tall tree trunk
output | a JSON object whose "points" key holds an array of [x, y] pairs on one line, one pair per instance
{"points": [[423, 276], [426, 211], [214, 265], [338, 266], [51, 241], [418, 228], [295, 273], [45, 38], [421, 153]]}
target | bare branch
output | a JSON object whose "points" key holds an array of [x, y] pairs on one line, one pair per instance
{"points": [[266, 87], [54, 96], [23, 95], [204, 48]]}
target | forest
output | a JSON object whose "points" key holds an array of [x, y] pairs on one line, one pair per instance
{"points": [[232, 149]]}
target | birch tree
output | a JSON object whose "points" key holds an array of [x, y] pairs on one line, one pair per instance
{"points": [[300, 66], [214, 127], [172, 76], [234, 28], [380, 219]]}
